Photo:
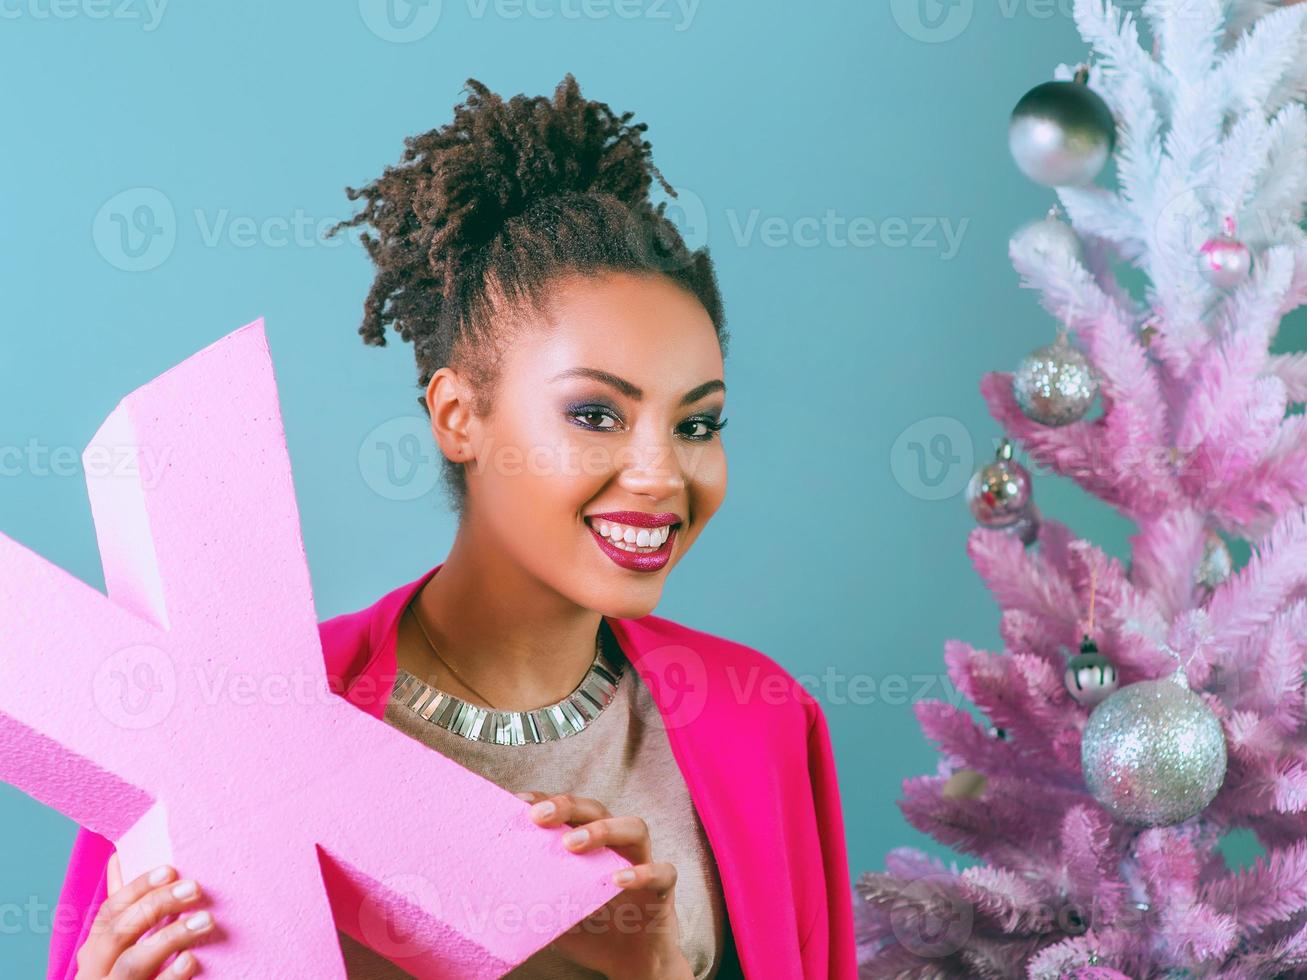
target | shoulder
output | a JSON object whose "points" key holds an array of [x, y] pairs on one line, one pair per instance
{"points": [[347, 644], [746, 684]]}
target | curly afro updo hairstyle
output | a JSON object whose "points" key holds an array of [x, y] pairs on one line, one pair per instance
{"points": [[484, 213]]}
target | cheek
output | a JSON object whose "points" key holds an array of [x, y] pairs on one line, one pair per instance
{"points": [[706, 480], [541, 465]]}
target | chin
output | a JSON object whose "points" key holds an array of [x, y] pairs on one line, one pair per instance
{"points": [[625, 608], [624, 601]]}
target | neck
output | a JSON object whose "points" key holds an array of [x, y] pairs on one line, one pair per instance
{"points": [[520, 644]]}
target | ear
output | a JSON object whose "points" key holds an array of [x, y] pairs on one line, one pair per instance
{"points": [[449, 400]]}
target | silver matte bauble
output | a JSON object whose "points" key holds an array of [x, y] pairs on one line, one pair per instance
{"points": [[1055, 384], [1154, 753], [1051, 240], [999, 491], [1061, 134]]}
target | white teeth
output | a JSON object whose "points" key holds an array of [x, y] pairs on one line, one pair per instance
{"points": [[636, 539]]}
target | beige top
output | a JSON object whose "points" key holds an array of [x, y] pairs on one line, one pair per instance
{"points": [[623, 760]]}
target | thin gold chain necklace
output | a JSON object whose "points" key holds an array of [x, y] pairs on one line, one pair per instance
{"points": [[435, 653], [479, 724]]}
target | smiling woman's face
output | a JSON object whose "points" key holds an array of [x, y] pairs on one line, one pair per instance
{"points": [[604, 407]]}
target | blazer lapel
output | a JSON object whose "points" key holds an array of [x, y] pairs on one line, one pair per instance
{"points": [[723, 753]]}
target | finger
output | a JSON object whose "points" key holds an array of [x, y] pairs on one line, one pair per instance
{"points": [[146, 958], [657, 876], [184, 965], [115, 873], [561, 808], [530, 795], [122, 930], [125, 895], [628, 836]]}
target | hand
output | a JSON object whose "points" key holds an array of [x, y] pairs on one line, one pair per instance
{"points": [[114, 950], [635, 934]]}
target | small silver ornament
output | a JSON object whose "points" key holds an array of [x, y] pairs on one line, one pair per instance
{"points": [[1154, 753], [999, 491], [1090, 677], [1055, 385], [1051, 240], [1062, 133], [1224, 260], [1216, 564]]}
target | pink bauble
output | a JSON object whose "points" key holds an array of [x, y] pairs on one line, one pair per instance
{"points": [[1225, 261], [1094, 973]]}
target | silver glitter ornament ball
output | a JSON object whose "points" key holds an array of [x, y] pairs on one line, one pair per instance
{"points": [[1051, 240], [999, 491], [1154, 753], [1055, 385], [1062, 133]]}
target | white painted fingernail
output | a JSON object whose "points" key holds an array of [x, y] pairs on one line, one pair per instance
{"points": [[182, 963], [184, 889], [199, 921], [160, 874]]}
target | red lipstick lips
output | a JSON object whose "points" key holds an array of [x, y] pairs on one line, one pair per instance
{"points": [[637, 562]]}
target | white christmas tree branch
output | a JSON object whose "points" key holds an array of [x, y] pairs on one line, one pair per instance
{"points": [[1264, 69]]}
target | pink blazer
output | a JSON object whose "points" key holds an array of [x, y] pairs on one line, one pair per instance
{"points": [[752, 745]]}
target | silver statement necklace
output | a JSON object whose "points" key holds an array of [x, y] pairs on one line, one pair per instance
{"points": [[475, 723]]}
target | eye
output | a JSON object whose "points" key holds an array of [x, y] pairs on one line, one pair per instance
{"points": [[710, 426], [593, 412], [702, 428]]}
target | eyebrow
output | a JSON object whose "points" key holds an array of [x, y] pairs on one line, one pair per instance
{"points": [[633, 392]]}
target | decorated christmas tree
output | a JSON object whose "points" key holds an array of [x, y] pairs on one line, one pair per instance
{"points": [[1140, 709]]}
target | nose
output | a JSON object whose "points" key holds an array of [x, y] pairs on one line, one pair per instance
{"points": [[650, 466]]}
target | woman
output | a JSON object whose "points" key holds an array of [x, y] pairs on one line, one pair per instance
{"points": [[570, 352]]}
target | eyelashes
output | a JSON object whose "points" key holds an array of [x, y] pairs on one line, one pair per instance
{"points": [[712, 425]]}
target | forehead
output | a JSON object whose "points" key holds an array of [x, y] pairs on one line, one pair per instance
{"points": [[646, 329]]}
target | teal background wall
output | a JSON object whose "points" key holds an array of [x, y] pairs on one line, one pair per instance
{"points": [[846, 162]]}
